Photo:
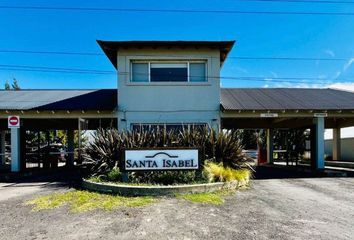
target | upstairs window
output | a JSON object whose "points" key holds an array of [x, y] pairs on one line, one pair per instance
{"points": [[168, 71]]}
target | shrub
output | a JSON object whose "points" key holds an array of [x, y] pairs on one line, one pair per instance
{"points": [[103, 153], [114, 175], [217, 172], [166, 177]]}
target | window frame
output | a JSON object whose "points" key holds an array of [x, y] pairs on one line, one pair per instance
{"points": [[187, 62]]}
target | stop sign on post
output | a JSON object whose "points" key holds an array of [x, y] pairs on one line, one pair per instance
{"points": [[13, 121]]}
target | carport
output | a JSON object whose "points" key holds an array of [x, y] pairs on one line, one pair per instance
{"points": [[289, 108], [42, 111]]}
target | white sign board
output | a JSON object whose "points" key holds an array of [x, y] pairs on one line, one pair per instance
{"points": [[13, 121], [161, 159], [320, 115], [269, 115]]}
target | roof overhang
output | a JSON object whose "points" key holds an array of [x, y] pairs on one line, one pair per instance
{"points": [[111, 48]]}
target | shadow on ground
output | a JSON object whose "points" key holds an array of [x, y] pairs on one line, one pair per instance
{"points": [[281, 172]]}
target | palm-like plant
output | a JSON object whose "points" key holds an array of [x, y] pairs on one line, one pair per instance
{"points": [[104, 152]]}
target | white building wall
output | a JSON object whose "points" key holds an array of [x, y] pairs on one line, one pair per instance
{"points": [[178, 102], [347, 148]]}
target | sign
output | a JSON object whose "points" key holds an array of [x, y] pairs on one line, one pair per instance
{"points": [[13, 121], [269, 115], [161, 159], [320, 115]]}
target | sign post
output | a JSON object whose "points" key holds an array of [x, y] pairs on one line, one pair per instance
{"points": [[13, 122]]}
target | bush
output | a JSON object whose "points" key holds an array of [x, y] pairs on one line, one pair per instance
{"points": [[166, 177], [114, 175], [104, 152], [217, 172]]}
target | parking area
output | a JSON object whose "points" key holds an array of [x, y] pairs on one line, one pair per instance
{"points": [[303, 208]]}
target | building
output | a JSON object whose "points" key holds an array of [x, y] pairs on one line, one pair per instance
{"points": [[170, 84]]}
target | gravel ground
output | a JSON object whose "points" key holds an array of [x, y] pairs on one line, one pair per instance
{"points": [[270, 209]]}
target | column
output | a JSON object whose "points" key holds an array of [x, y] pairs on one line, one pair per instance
{"points": [[319, 143], [79, 160], [336, 144], [270, 146], [71, 147], [15, 150], [3, 150]]}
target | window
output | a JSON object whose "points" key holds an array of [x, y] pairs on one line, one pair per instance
{"points": [[197, 72], [140, 72], [168, 127], [168, 71]]}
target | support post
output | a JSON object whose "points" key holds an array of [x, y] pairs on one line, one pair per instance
{"points": [[79, 141], [269, 145], [336, 153], [39, 148], [71, 147], [15, 150], [3, 147], [319, 143]]}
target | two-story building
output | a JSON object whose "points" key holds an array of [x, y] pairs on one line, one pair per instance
{"points": [[167, 82]]}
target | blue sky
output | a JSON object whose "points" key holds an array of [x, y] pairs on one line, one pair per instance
{"points": [[256, 36]]}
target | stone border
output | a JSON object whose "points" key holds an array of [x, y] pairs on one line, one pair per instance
{"points": [[131, 190]]}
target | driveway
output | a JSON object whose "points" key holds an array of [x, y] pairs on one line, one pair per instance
{"points": [[321, 208]]}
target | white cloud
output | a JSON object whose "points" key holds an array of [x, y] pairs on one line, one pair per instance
{"points": [[348, 64], [240, 69], [329, 52], [347, 86], [274, 74], [338, 73]]}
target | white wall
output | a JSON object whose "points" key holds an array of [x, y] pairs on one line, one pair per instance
{"points": [[347, 148], [168, 102]]}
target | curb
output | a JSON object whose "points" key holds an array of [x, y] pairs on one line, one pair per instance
{"points": [[127, 190]]}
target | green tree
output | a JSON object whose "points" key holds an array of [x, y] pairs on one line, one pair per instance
{"points": [[15, 85], [7, 85]]}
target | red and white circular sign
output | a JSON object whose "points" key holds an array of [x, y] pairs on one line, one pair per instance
{"points": [[13, 121]]}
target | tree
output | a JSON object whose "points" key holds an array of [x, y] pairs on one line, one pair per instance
{"points": [[14, 85], [7, 85]]}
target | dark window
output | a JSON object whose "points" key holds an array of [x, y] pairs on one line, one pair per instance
{"points": [[169, 72]]}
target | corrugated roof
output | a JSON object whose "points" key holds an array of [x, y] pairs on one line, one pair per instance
{"points": [[111, 48], [286, 98], [103, 99], [231, 99]]}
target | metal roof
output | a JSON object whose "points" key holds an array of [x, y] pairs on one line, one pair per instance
{"points": [[231, 99], [286, 98], [103, 99], [111, 48]]}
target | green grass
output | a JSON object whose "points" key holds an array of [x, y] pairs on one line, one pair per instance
{"points": [[83, 201], [215, 198]]}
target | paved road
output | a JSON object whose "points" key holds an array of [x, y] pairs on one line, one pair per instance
{"points": [[271, 209]]}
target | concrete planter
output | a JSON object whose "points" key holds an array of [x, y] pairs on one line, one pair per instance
{"points": [[130, 190]]}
